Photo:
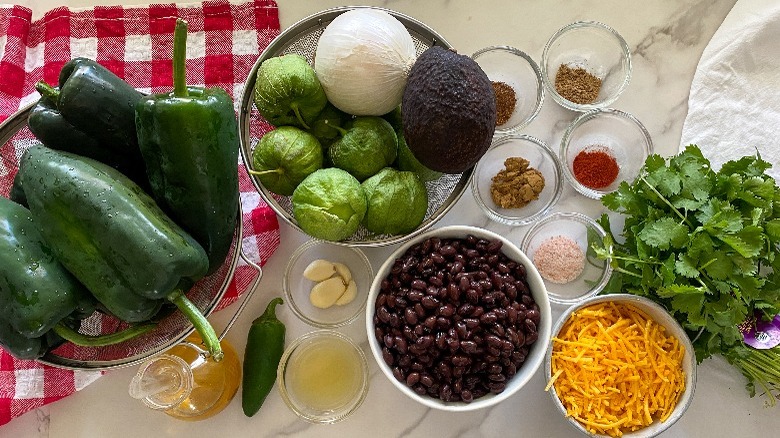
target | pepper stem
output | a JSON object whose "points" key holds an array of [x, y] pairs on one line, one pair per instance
{"points": [[202, 325], [77, 338], [48, 91], [180, 59], [270, 311]]}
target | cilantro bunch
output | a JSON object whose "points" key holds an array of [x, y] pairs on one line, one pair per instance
{"points": [[704, 244]]}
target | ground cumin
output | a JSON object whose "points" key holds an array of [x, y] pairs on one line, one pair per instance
{"points": [[505, 102], [577, 85], [517, 184]]}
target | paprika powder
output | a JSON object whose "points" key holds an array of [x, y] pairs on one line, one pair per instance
{"points": [[595, 167]]}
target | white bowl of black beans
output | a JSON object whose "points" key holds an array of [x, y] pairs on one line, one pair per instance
{"points": [[458, 318]]}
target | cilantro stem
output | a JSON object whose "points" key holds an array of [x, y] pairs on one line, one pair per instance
{"points": [[666, 201], [761, 367], [624, 271]]}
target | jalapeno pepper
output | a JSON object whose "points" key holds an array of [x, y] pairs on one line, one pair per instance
{"points": [[189, 142], [264, 349]]}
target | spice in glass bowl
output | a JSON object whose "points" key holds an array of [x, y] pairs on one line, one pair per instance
{"points": [[506, 99], [577, 84], [595, 167], [517, 184], [559, 259]]}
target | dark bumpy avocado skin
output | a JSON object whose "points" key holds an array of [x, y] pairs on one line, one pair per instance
{"points": [[448, 110]]}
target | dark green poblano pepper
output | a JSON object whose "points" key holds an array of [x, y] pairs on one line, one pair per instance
{"points": [[189, 141], [90, 113], [113, 237], [38, 296], [36, 291]]}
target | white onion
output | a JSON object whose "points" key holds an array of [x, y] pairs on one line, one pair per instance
{"points": [[363, 58]]}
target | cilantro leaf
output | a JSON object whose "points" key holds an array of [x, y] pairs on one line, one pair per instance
{"points": [[664, 233]]}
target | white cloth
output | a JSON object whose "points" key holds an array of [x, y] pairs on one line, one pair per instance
{"points": [[734, 104]]}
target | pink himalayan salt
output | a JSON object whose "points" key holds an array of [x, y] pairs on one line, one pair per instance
{"points": [[559, 259]]}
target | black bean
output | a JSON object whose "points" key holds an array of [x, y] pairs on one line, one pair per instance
{"points": [[468, 346], [497, 377], [413, 378], [494, 246], [429, 302], [447, 310], [460, 361], [383, 314], [534, 316], [465, 309], [447, 250], [530, 326], [400, 344]]}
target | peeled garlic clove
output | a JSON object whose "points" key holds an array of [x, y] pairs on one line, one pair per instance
{"points": [[319, 270], [343, 271], [325, 293], [349, 294]]}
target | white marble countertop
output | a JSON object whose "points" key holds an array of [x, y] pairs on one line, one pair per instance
{"points": [[666, 38]]}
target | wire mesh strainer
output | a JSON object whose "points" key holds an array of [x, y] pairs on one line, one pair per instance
{"points": [[302, 38], [172, 325]]}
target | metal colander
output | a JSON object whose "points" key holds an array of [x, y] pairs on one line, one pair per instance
{"points": [[302, 38], [172, 326]]}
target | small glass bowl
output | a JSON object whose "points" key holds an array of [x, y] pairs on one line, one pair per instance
{"points": [[597, 48], [322, 356], [671, 326], [297, 288], [541, 158], [516, 69], [619, 133], [582, 230]]}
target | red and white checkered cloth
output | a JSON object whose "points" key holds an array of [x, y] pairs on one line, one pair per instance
{"points": [[135, 43]]}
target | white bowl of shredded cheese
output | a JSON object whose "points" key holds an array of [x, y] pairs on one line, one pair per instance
{"points": [[620, 365]]}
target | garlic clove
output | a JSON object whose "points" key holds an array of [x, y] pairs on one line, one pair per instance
{"points": [[343, 271], [349, 294], [319, 270], [325, 293]]}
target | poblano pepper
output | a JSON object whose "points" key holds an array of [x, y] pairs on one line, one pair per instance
{"points": [[113, 237], [36, 291], [40, 300], [91, 113], [189, 141]]}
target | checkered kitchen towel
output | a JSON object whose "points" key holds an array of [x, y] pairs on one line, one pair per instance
{"points": [[135, 43]]}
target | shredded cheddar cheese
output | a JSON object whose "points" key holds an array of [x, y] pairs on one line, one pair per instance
{"points": [[615, 370]]}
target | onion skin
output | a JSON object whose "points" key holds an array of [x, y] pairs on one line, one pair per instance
{"points": [[362, 60]]}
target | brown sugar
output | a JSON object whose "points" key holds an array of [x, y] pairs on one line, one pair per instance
{"points": [[517, 184], [577, 84]]}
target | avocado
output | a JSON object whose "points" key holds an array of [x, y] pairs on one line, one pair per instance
{"points": [[448, 110]]}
